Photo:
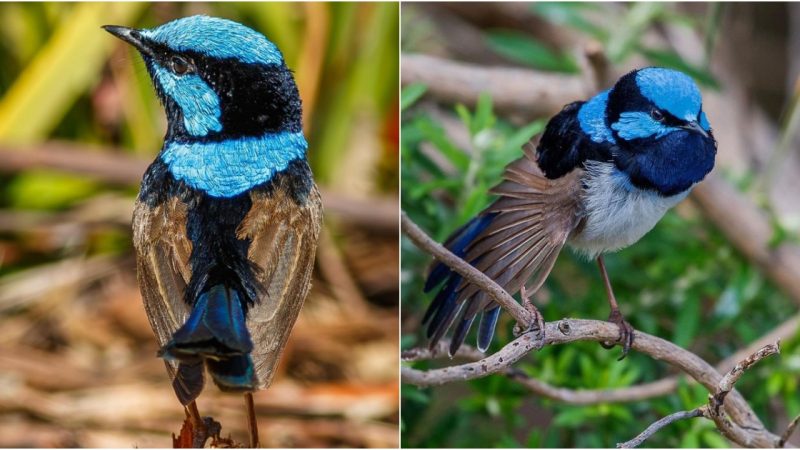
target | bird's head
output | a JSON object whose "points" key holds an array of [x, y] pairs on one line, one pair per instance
{"points": [[664, 140], [217, 79]]}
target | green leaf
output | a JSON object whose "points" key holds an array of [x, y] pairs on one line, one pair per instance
{"points": [[436, 135], [521, 48], [62, 70], [49, 190], [483, 118], [634, 23], [570, 14], [411, 94]]}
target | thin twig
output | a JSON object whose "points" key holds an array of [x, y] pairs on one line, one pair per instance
{"points": [[734, 432], [733, 375], [473, 275], [789, 430], [659, 424]]}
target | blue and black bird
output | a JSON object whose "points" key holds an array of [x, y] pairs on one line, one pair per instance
{"points": [[228, 216], [604, 172]]}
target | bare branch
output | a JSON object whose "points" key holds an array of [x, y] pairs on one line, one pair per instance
{"points": [[659, 424], [745, 429], [494, 363], [736, 432], [113, 166], [789, 430], [733, 375], [513, 90], [473, 275]]}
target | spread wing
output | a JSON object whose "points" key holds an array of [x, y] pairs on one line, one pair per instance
{"points": [[283, 230], [515, 241], [162, 259]]}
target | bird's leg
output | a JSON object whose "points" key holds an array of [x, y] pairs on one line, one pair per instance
{"points": [[625, 329], [537, 322], [252, 424], [199, 428], [194, 415]]}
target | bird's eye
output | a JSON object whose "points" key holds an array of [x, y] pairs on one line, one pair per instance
{"points": [[179, 65], [656, 115]]}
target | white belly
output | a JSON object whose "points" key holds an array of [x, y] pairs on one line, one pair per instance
{"points": [[616, 213]]}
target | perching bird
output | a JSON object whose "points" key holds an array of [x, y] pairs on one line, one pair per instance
{"points": [[604, 172], [228, 217]]}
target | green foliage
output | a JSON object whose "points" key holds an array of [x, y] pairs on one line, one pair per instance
{"points": [[519, 47], [618, 27], [683, 281]]}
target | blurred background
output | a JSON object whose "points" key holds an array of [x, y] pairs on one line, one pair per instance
{"points": [[720, 272], [79, 123]]}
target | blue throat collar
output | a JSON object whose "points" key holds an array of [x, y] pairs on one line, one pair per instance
{"points": [[231, 167]]}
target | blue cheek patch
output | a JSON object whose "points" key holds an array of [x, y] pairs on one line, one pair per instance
{"points": [[228, 168], [198, 102], [218, 38], [638, 125], [592, 118], [671, 91]]}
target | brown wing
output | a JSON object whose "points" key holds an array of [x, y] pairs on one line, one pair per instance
{"points": [[534, 217], [162, 259], [283, 244]]}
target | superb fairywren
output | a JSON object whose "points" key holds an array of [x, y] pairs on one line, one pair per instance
{"points": [[228, 217], [604, 172]]}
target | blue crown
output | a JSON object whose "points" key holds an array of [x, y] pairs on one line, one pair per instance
{"points": [[218, 38], [670, 90]]}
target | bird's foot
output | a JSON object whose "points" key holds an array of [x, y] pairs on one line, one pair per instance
{"points": [[537, 320], [625, 333]]}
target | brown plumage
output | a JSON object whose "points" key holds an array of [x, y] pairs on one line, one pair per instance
{"points": [[283, 234], [532, 220]]}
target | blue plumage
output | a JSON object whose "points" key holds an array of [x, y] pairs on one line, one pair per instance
{"points": [[604, 172], [198, 102], [218, 38], [230, 167], [592, 119], [670, 90]]}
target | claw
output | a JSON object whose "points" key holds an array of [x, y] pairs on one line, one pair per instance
{"points": [[625, 333], [537, 324]]}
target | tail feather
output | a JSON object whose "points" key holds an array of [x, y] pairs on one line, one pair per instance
{"points": [[457, 243], [444, 308], [233, 374], [215, 333], [188, 381], [460, 334], [486, 328]]}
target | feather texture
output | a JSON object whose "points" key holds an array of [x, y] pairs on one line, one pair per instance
{"points": [[521, 236]]}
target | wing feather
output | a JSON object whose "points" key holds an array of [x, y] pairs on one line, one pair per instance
{"points": [[533, 217], [162, 254], [284, 235]]}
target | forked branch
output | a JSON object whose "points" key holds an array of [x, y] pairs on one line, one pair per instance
{"points": [[736, 419]]}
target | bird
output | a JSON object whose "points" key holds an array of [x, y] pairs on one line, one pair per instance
{"points": [[228, 216], [604, 172]]}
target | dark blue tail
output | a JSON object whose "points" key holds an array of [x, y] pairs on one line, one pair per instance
{"points": [[443, 309], [214, 333]]}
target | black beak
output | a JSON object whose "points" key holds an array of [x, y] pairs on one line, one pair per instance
{"points": [[694, 126], [131, 36]]}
